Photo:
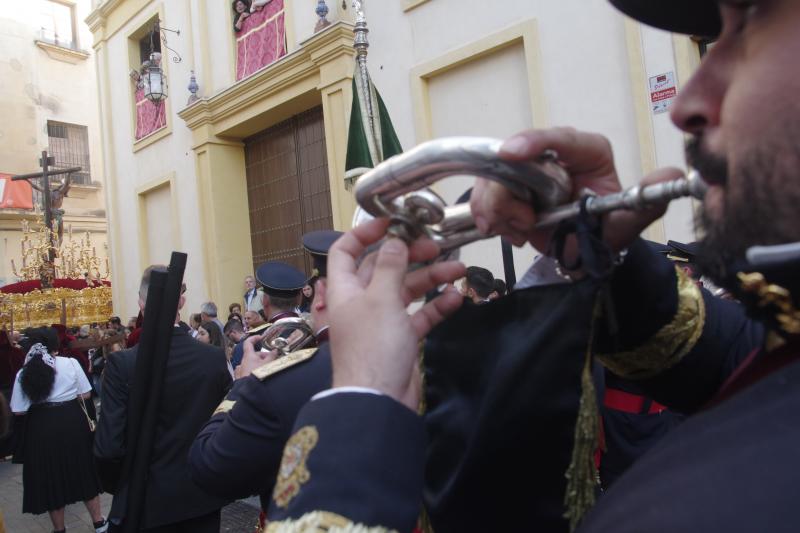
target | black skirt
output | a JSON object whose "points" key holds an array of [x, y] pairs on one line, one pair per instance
{"points": [[58, 468]]}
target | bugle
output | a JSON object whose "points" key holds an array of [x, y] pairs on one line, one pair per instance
{"points": [[396, 188], [287, 335]]}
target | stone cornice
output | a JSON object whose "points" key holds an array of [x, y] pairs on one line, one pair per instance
{"points": [[330, 44], [60, 53], [107, 18]]}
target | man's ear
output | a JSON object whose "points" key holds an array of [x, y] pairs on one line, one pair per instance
{"points": [[181, 302], [141, 304], [320, 290]]}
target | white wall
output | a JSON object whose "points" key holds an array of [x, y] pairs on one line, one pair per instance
{"points": [[585, 77], [172, 154]]}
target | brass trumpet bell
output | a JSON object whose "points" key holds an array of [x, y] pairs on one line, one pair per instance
{"points": [[288, 335]]}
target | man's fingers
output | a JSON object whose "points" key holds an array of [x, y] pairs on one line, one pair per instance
{"points": [[423, 280], [348, 248], [435, 311], [579, 151], [390, 268], [422, 250], [366, 268]]}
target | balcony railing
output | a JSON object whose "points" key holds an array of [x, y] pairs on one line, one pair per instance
{"points": [[53, 38]]}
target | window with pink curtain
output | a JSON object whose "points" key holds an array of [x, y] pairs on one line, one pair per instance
{"points": [[262, 39], [150, 117]]}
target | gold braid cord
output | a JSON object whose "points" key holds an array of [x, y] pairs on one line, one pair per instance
{"points": [[670, 344], [323, 522], [581, 474]]}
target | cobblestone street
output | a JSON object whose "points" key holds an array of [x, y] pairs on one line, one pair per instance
{"points": [[240, 516]]}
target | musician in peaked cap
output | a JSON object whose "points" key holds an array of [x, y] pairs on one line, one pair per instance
{"points": [[237, 453], [282, 285], [279, 299], [732, 465]]}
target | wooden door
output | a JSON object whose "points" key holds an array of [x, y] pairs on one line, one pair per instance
{"points": [[288, 192]]}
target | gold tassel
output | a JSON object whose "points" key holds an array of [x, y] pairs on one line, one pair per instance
{"points": [[582, 475]]}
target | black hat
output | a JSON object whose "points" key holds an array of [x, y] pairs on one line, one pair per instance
{"points": [[280, 279], [693, 17], [658, 247], [317, 244], [684, 252]]}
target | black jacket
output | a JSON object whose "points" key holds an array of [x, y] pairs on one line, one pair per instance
{"points": [[237, 453], [195, 382]]}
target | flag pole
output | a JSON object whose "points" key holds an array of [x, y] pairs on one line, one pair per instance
{"points": [[371, 136], [361, 44]]}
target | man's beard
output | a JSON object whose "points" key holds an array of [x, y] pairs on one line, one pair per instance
{"points": [[761, 202]]}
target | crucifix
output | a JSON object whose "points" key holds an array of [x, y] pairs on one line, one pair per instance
{"points": [[52, 201]]}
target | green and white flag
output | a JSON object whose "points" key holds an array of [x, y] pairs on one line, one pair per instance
{"points": [[368, 141]]}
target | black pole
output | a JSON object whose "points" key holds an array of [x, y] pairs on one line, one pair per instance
{"points": [[508, 264], [151, 366], [50, 172]]}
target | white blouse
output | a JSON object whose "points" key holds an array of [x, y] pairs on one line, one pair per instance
{"points": [[69, 383]]}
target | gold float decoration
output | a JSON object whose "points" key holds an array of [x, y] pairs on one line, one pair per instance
{"points": [[73, 259], [56, 306]]}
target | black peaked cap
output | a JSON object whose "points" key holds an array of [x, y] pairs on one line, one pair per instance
{"points": [[692, 17], [280, 279], [317, 244]]}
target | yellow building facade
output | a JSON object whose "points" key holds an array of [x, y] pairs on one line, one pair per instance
{"points": [[209, 179]]}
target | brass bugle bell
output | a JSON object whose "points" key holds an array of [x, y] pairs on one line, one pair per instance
{"points": [[288, 335], [398, 188]]}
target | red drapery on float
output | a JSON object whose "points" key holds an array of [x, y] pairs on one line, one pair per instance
{"points": [[24, 287]]}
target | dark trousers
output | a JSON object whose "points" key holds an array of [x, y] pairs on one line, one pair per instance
{"points": [[208, 523]]}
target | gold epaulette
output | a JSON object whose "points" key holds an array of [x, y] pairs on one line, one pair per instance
{"points": [[224, 407], [323, 522], [282, 363], [671, 343], [258, 329]]}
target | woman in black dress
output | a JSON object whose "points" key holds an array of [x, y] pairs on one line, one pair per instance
{"points": [[57, 443]]}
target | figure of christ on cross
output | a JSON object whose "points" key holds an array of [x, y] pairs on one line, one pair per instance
{"points": [[52, 202]]}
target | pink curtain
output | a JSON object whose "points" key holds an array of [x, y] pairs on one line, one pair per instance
{"points": [[149, 116], [262, 39]]}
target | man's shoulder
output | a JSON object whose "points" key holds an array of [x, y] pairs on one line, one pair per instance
{"points": [[122, 357], [185, 342], [286, 363], [303, 370], [122, 362]]}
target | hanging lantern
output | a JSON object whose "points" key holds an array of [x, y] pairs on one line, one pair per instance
{"points": [[154, 79]]}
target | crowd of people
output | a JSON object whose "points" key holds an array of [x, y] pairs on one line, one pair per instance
{"points": [[340, 434]]}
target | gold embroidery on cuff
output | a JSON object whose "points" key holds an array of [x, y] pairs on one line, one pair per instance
{"points": [[224, 407], [323, 522], [293, 472], [671, 343]]}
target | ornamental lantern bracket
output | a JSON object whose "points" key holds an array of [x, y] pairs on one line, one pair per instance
{"points": [[153, 79]]}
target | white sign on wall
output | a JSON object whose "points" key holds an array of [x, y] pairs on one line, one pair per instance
{"points": [[662, 92]]}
